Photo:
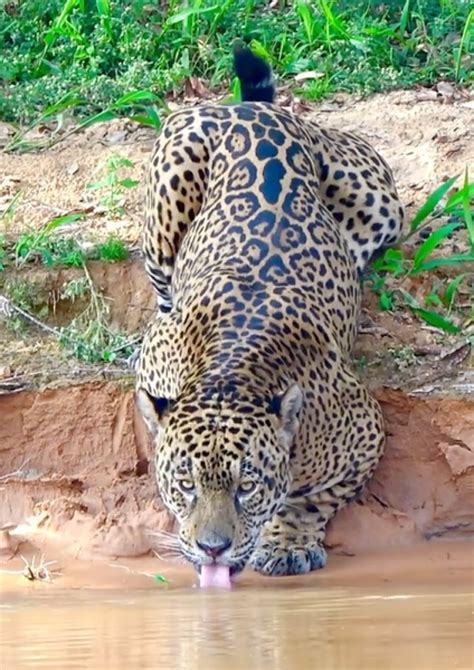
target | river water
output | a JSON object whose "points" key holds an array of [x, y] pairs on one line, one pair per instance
{"points": [[247, 629]]}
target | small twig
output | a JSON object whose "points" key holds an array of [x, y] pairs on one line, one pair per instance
{"points": [[7, 306], [17, 472], [373, 330], [129, 343], [40, 572]]}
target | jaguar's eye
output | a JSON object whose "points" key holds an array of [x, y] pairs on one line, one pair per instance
{"points": [[186, 485], [246, 487]]}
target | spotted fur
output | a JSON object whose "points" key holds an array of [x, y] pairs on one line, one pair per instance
{"points": [[261, 430]]}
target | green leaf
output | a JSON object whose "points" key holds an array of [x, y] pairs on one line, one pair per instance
{"points": [[126, 162], [431, 202], [149, 118], [62, 221], [386, 301], [393, 255], [190, 11], [128, 182], [47, 257], [134, 97], [160, 578], [433, 299], [467, 209], [307, 18], [434, 240], [445, 262], [66, 10], [465, 40], [236, 89], [436, 320], [259, 50], [392, 261], [103, 8], [405, 16], [451, 289], [458, 197], [106, 115], [71, 99]]}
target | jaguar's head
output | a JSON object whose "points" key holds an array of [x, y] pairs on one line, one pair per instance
{"points": [[222, 468]]}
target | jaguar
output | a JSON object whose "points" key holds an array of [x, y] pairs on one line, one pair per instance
{"points": [[258, 227]]}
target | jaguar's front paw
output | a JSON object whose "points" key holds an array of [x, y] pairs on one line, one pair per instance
{"points": [[276, 559]]}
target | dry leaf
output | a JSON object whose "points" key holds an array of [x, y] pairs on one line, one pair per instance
{"points": [[309, 74], [194, 88]]}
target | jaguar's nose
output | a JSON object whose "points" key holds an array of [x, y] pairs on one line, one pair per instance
{"points": [[216, 547]]}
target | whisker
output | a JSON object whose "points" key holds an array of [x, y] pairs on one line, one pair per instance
{"points": [[167, 537], [169, 556], [164, 533]]}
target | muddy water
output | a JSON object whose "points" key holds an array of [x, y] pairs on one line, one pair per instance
{"points": [[254, 629]]}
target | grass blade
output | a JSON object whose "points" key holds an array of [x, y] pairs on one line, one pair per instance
{"points": [[465, 41], [451, 289], [385, 301], [445, 262], [104, 11], [236, 90], [106, 115], [259, 50], [71, 99], [405, 17], [63, 220], [188, 12], [432, 242], [134, 97], [103, 8], [149, 117], [307, 19], [431, 202], [392, 261], [466, 205], [457, 199], [332, 20], [436, 320]]}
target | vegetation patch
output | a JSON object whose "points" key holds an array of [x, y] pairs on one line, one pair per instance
{"points": [[88, 336], [104, 58], [395, 277]]}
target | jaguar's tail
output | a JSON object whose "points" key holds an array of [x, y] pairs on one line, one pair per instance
{"points": [[255, 75]]}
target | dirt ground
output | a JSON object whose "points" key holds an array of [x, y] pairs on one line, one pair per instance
{"points": [[425, 138], [85, 492]]}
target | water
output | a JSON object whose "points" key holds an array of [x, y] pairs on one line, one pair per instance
{"points": [[248, 629]]}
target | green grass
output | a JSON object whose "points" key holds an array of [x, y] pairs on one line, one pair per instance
{"points": [[441, 216], [89, 54]]}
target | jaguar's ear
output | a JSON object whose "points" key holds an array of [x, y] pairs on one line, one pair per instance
{"points": [[153, 409], [287, 407]]}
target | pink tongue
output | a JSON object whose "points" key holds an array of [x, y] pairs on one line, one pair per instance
{"points": [[215, 575]]}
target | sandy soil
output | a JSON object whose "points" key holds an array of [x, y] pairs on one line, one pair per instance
{"points": [[438, 563]]}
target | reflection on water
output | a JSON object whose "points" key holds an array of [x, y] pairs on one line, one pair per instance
{"points": [[251, 629]]}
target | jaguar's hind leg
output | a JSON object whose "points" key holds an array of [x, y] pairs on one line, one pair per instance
{"points": [[176, 183]]}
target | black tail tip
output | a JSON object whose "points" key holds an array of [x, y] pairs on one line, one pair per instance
{"points": [[254, 73]]}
